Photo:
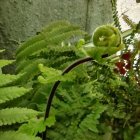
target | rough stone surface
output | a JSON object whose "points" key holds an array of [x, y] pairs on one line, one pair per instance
{"points": [[99, 12], [20, 19]]}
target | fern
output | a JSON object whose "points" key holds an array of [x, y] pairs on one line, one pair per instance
{"points": [[40, 37], [90, 103], [115, 14], [6, 79], [91, 120], [36, 125], [52, 75], [46, 50], [5, 62], [54, 37], [30, 70], [16, 115], [128, 21], [11, 90], [10, 93], [12, 135]]}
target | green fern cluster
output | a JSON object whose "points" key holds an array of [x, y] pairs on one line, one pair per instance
{"points": [[11, 91], [91, 102], [47, 48]]}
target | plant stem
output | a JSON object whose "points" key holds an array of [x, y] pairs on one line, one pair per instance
{"points": [[56, 84]]}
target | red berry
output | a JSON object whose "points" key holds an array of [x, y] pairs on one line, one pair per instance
{"points": [[126, 56], [122, 71], [120, 64]]}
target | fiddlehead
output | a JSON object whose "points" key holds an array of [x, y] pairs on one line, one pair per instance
{"points": [[107, 36], [107, 41]]}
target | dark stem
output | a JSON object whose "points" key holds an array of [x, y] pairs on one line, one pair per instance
{"points": [[69, 68]]}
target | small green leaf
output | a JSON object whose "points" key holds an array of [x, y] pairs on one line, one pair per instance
{"points": [[10, 116], [36, 125], [12, 135], [5, 62]]}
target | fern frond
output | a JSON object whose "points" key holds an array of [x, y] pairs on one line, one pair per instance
{"points": [[10, 93], [5, 62], [36, 125], [13, 135], [91, 120], [51, 75], [115, 14], [31, 49], [128, 21], [2, 50], [65, 36], [55, 24], [11, 116], [31, 70], [55, 38], [44, 34], [24, 63], [6, 79], [62, 62], [39, 37], [29, 42]]}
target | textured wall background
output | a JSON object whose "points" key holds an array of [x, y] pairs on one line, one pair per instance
{"points": [[20, 19]]}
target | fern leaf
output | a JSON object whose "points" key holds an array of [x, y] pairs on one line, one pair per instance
{"points": [[65, 36], [51, 75], [29, 42], [55, 37], [31, 49], [91, 121], [33, 40], [127, 33], [7, 79], [2, 50], [10, 116], [5, 62], [12, 135], [115, 14], [31, 70], [24, 63], [128, 21], [55, 24], [36, 125], [10, 93]]}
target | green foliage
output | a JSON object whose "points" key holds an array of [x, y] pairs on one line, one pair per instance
{"points": [[16, 115], [10, 90], [10, 93], [115, 14], [6, 79], [92, 102], [36, 125], [12, 135], [5, 62], [41, 49], [51, 75]]}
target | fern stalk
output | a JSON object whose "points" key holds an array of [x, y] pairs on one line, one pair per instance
{"points": [[49, 102]]}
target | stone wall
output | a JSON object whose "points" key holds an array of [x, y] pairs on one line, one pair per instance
{"points": [[20, 19]]}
